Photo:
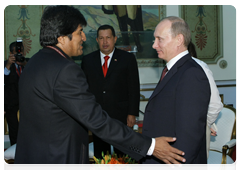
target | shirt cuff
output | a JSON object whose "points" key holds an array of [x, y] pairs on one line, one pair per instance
{"points": [[6, 71], [151, 149]]}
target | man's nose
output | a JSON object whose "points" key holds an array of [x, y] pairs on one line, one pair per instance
{"points": [[154, 44], [84, 38]]}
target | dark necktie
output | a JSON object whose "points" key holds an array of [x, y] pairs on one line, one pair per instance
{"points": [[105, 65], [165, 70], [18, 69]]}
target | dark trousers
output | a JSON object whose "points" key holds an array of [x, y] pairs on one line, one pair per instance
{"points": [[12, 121], [100, 146]]}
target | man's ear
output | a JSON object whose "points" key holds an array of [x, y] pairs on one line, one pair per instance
{"points": [[61, 40], [180, 40]]}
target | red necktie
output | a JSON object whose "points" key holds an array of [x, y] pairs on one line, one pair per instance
{"points": [[165, 70], [105, 65]]}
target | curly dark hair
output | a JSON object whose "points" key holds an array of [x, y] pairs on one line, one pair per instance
{"points": [[59, 21]]}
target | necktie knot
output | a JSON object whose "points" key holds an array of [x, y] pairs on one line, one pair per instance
{"points": [[106, 58], [165, 70]]}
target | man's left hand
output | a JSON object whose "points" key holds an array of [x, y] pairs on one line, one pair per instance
{"points": [[131, 120], [213, 132]]}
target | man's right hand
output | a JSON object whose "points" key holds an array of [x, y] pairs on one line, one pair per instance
{"points": [[167, 153], [11, 59]]}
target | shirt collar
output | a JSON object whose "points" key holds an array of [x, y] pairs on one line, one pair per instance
{"points": [[171, 63], [103, 55], [66, 56], [16, 65]]}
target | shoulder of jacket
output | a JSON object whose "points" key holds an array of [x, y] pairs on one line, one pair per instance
{"points": [[123, 53], [92, 54]]}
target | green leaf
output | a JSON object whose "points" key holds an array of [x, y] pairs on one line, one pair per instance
{"points": [[103, 154]]}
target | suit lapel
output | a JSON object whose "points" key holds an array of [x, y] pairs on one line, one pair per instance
{"points": [[164, 81], [114, 61], [171, 72], [98, 64]]}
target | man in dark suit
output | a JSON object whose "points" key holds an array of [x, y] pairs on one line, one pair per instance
{"points": [[12, 72], [57, 108], [119, 91], [179, 104]]}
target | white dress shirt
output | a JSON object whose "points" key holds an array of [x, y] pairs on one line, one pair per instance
{"points": [[7, 72], [103, 55], [171, 63], [215, 104]]}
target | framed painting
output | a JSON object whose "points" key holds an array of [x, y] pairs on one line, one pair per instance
{"points": [[205, 22], [134, 26]]}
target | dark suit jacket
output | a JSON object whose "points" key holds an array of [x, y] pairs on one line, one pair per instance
{"points": [[11, 86], [178, 108], [119, 92], [56, 111]]}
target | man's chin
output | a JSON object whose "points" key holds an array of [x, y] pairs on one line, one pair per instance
{"points": [[160, 56], [80, 53]]}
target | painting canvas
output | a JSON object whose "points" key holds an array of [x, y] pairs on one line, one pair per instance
{"points": [[22, 21], [134, 26]]}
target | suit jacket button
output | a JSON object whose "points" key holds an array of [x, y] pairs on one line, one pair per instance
{"points": [[104, 91]]}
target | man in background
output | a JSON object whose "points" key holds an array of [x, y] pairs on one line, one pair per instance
{"points": [[117, 90], [12, 72], [215, 104]]}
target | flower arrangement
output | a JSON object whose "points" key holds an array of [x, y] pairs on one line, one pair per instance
{"points": [[113, 159]]}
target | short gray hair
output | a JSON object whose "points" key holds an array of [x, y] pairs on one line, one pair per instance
{"points": [[179, 26]]}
